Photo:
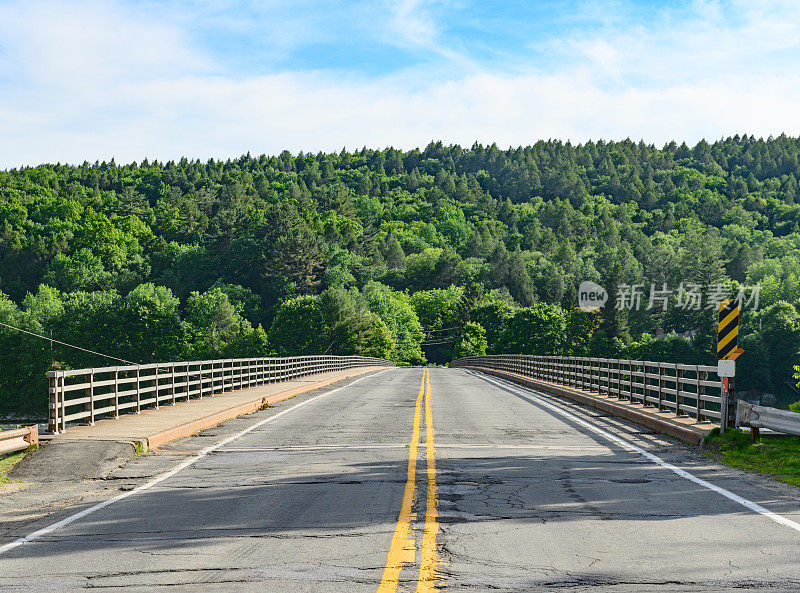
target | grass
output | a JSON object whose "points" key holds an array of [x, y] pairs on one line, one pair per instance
{"points": [[778, 457], [7, 462]]}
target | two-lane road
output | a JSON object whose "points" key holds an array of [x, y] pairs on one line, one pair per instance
{"points": [[419, 480]]}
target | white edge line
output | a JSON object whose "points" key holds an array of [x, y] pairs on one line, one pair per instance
{"points": [[168, 474], [749, 504]]}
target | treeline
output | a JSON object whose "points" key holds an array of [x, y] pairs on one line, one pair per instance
{"points": [[412, 255]]}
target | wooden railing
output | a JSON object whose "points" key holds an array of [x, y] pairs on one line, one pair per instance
{"points": [[86, 394], [685, 389]]}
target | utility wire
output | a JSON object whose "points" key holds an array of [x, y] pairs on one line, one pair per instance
{"points": [[49, 339], [441, 329]]}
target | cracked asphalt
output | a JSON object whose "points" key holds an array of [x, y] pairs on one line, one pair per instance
{"points": [[528, 501]]}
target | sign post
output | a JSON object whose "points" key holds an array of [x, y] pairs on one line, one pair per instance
{"points": [[727, 352]]}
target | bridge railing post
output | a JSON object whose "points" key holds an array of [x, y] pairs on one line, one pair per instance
{"points": [[701, 391], [116, 392], [52, 402], [138, 390], [157, 385]]}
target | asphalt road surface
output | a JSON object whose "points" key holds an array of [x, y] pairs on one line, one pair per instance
{"points": [[408, 480]]}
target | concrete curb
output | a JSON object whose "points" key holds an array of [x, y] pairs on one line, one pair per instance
{"points": [[158, 439], [692, 434]]}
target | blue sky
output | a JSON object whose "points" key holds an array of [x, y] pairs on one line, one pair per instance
{"points": [[170, 78]]}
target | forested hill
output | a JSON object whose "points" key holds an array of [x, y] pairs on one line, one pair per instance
{"points": [[376, 251]]}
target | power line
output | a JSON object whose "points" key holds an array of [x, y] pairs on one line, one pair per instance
{"points": [[441, 329], [51, 340]]}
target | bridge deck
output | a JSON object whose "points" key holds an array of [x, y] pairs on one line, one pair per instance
{"points": [[386, 485]]}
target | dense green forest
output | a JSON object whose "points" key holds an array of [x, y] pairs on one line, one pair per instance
{"points": [[411, 255]]}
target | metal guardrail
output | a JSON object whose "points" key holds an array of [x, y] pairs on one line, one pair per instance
{"points": [[756, 417], [685, 389], [18, 439], [108, 391]]}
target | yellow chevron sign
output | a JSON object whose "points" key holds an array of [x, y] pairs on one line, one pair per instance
{"points": [[728, 330]]}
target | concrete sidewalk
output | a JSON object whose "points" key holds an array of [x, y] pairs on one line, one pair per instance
{"points": [[153, 428], [685, 428]]}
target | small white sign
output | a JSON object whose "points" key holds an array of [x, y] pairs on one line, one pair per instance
{"points": [[726, 368]]}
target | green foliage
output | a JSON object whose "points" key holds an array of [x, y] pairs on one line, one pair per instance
{"points": [[150, 326], [395, 310], [251, 343], [24, 359], [540, 329], [671, 348], [299, 327], [346, 322], [493, 316], [214, 323], [439, 308], [780, 333], [374, 250], [472, 341]]}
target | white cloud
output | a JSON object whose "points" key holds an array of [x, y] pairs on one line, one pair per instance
{"points": [[87, 82]]}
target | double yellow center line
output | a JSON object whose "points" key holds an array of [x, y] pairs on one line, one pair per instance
{"points": [[402, 549]]}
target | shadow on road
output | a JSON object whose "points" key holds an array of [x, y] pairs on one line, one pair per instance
{"points": [[250, 500]]}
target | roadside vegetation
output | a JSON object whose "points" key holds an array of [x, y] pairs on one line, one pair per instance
{"points": [[416, 255], [778, 457], [6, 463]]}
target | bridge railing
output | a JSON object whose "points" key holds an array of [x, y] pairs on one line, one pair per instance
{"points": [[86, 394], [685, 389]]}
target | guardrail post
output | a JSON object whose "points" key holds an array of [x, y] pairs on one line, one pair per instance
{"points": [[32, 438], [678, 385]]}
